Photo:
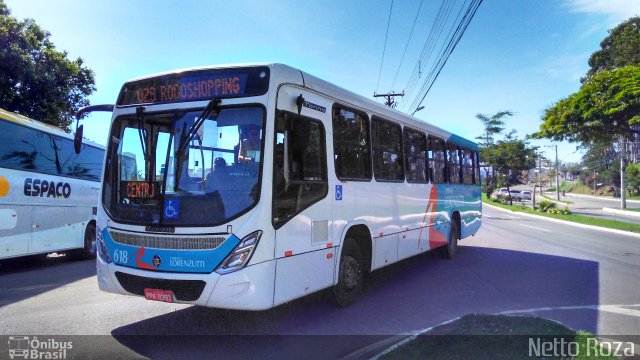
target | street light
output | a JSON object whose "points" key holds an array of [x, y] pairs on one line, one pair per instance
{"points": [[418, 109]]}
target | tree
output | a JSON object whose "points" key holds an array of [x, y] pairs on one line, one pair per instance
{"points": [[633, 178], [620, 48], [604, 109], [509, 156], [37, 80], [493, 125]]}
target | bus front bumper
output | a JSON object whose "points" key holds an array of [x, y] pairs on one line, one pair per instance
{"points": [[250, 288]]}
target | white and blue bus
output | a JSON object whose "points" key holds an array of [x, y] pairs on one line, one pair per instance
{"points": [[256, 185], [48, 192]]}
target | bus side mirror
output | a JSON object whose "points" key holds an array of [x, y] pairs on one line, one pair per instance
{"points": [[77, 139]]}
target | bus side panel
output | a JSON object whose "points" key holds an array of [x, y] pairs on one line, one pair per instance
{"points": [[15, 230], [57, 227], [386, 251], [303, 274]]}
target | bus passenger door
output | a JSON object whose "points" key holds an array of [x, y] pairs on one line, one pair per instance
{"points": [[301, 207]]}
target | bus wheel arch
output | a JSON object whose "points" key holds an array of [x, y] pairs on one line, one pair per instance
{"points": [[354, 262], [88, 249]]}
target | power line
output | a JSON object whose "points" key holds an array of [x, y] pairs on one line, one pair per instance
{"points": [[427, 49], [407, 45], [385, 46], [441, 55], [453, 42]]}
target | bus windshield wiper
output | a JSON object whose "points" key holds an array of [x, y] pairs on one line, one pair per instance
{"points": [[211, 107], [141, 131], [211, 110]]}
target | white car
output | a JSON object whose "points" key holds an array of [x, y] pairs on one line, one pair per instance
{"points": [[516, 195], [526, 195]]}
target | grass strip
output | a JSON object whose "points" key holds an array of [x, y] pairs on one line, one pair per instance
{"points": [[502, 337], [581, 219], [554, 200]]}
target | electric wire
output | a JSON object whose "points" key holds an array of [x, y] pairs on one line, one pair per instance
{"points": [[446, 53], [433, 37], [385, 46], [406, 46]]}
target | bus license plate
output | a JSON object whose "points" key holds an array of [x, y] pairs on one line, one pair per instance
{"points": [[158, 295]]}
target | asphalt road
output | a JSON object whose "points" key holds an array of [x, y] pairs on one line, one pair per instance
{"points": [[589, 205], [587, 279]]}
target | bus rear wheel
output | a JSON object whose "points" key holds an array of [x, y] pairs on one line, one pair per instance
{"points": [[350, 276], [451, 249]]}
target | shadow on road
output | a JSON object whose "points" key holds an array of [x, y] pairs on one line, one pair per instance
{"points": [[414, 294], [22, 278]]}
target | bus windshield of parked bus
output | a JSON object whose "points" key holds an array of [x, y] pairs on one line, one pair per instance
{"points": [[167, 169]]}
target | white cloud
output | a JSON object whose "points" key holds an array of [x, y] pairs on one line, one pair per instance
{"points": [[618, 9]]}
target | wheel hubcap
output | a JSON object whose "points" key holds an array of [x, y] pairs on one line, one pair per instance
{"points": [[351, 273]]}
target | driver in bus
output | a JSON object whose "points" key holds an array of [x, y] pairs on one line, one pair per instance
{"points": [[250, 146]]}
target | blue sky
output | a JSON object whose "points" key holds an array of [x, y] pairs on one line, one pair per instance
{"points": [[516, 55]]}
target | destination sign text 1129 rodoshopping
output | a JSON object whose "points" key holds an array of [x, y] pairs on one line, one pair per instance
{"points": [[196, 85]]}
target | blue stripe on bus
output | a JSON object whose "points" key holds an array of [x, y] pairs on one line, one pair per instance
{"points": [[169, 260], [463, 142]]}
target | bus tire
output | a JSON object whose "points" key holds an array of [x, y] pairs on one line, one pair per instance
{"points": [[88, 251], [452, 245], [350, 275]]}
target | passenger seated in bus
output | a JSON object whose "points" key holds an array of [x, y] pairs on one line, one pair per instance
{"points": [[219, 176], [250, 145]]}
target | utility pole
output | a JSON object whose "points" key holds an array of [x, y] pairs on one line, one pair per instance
{"points": [[540, 173], [557, 173], [389, 96], [623, 166]]}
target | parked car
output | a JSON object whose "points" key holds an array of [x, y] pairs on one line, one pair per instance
{"points": [[501, 191], [516, 195], [526, 195]]}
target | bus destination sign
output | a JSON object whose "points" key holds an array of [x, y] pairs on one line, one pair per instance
{"points": [[196, 86], [140, 189]]}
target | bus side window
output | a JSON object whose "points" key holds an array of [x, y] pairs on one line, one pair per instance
{"points": [[387, 150], [351, 145], [415, 154], [437, 160], [300, 166]]}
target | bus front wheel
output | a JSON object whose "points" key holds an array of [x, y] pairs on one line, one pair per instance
{"points": [[88, 251], [350, 276]]}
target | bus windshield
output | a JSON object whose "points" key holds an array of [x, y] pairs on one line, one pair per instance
{"points": [[164, 170]]}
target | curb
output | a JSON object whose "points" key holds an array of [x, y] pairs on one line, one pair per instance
{"points": [[585, 226], [600, 197], [628, 213]]}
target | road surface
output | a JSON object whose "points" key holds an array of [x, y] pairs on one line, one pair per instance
{"points": [[587, 279]]}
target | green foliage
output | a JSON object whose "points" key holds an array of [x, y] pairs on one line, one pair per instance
{"points": [[550, 207], [510, 155], [37, 80], [493, 125], [632, 179], [556, 211], [620, 48], [605, 107], [545, 205]]}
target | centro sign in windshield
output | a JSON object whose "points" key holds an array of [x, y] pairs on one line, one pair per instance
{"points": [[196, 86]]}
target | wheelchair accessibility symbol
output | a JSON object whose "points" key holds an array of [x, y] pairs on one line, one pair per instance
{"points": [[338, 192], [171, 209]]}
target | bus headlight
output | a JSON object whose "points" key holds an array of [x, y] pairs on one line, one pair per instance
{"points": [[102, 248], [241, 254]]}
